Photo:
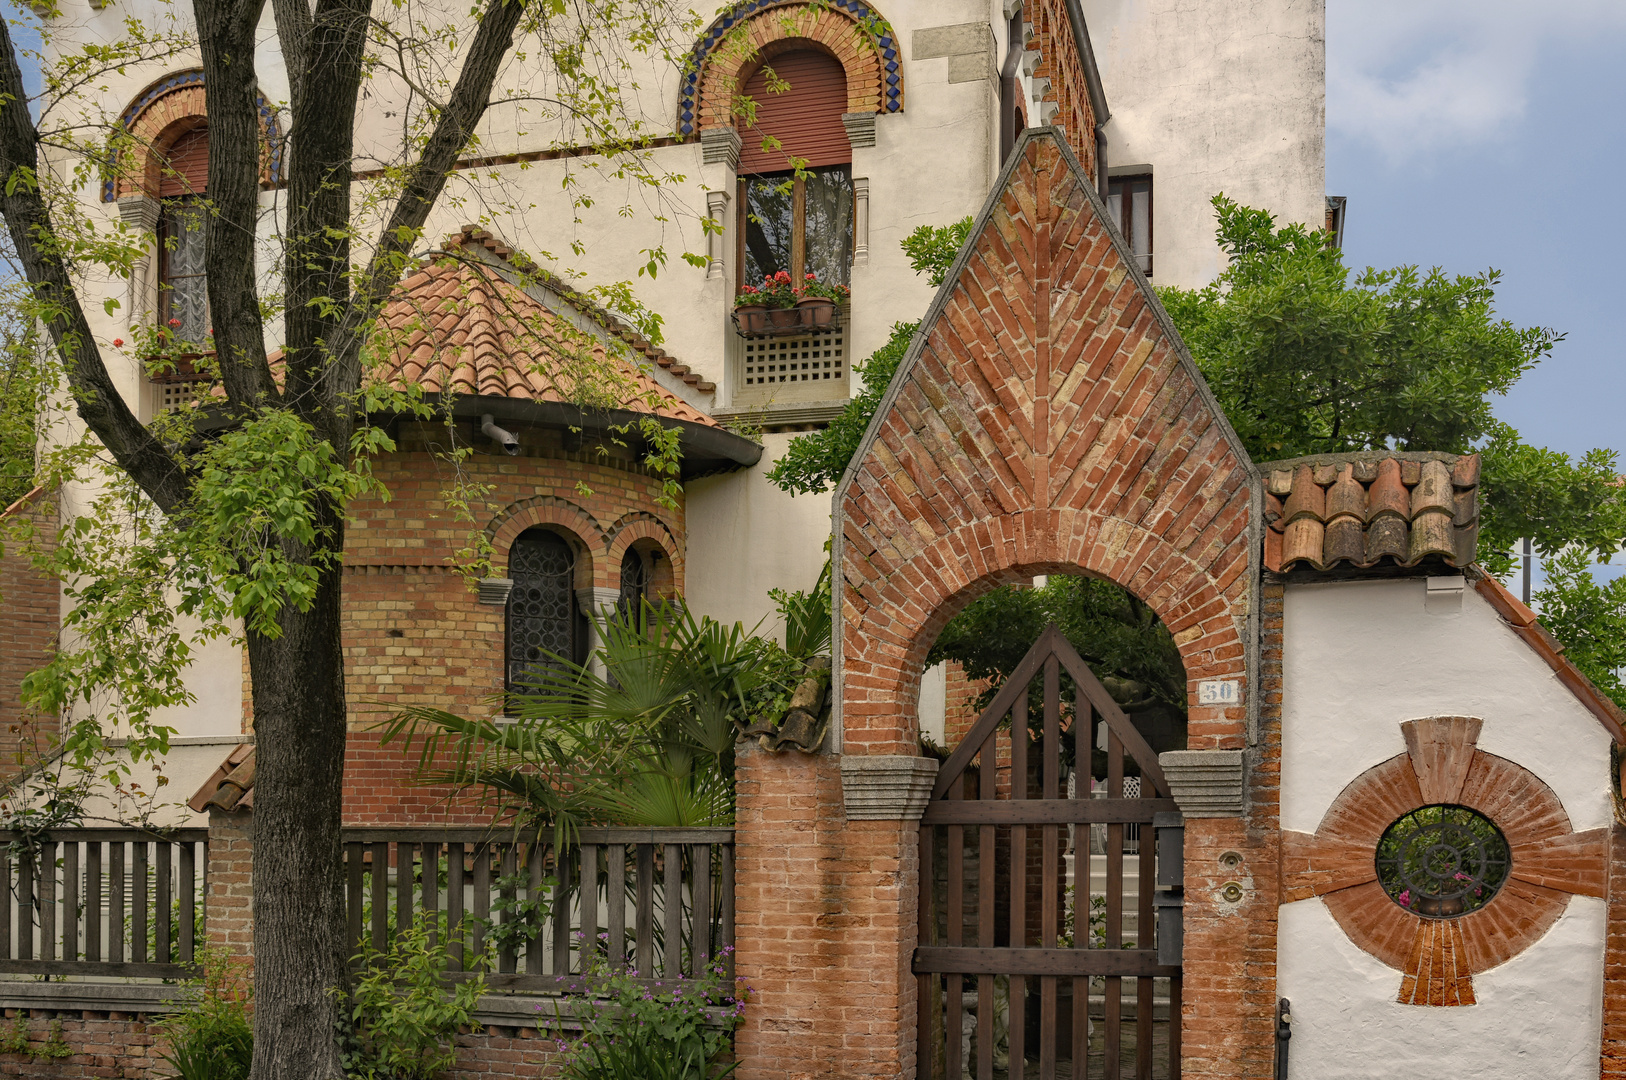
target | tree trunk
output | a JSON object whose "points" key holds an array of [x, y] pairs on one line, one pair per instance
{"points": [[299, 920]]}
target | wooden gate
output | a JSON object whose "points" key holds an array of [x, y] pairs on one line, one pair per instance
{"points": [[1013, 957]]}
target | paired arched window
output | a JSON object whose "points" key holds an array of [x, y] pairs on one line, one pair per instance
{"points": [[800, 225], [634, 585], [544, 621], [183, 299]]}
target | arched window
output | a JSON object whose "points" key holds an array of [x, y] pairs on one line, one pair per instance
{"points": [[542, 615], [800, 225], [634, 585], [183, 299]]}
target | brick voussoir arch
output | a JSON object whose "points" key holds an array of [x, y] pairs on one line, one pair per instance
{"points": [[1047, 419], [518, 516], [727, 53], [921, 595], [633, 527], [165, 107]]}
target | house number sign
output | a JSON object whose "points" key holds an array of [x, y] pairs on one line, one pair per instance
{"points": [[1219, 692]]}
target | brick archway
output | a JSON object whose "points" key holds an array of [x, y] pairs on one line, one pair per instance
{"points": [[640, 527], [1047, 418], [735, 44], [162, 111]]}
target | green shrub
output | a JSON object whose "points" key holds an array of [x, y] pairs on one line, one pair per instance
{"points": [[211, 1037], [400, 1017], [632, 1031]]}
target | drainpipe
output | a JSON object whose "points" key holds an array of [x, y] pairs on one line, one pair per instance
{"points": [[503, 438], [1529, 559], [1284, 1032]]}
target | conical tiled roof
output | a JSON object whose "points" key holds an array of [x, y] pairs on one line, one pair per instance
{"points": [[459, 326]]}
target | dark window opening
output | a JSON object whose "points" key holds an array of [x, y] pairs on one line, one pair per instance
{"points": [[1129, 203], [798, 225], [634, 585], [543, 622]]}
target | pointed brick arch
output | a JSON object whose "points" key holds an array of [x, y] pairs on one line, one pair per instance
{"points": [[1047, 418]]}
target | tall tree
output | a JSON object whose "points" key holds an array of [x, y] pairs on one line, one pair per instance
{"points": [[238, 509]]}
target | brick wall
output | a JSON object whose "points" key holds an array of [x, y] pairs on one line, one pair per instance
{"points": [[1612, 1062], [1059, 61], [414, 630], [30, 614], [129, 1046], [823, 928]]}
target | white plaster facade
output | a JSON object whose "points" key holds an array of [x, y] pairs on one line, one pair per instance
{"points": [[1359, 658], [932, 163], [1214, 97]]}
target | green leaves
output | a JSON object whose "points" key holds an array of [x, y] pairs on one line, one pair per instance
{"points": [[266, 507], [1307, 358], [1589, 618]]}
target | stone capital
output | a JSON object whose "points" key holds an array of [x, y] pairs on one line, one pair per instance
{"points": [[886, 787], [1205, 783]]}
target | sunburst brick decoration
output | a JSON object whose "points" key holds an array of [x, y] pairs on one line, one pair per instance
{"points": [[1444, 861]]}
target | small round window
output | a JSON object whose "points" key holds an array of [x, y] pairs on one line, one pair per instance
{"points": [[1442, 861]]}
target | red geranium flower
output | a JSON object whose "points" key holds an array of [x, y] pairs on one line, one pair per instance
{"points": [[174, 324], [118, 343]]}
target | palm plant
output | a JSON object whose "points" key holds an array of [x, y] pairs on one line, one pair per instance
{"points": [[644, 737]]}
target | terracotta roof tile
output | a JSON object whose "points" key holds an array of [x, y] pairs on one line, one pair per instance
{"points": [[231, 786], [465, 329], [1367, 509]]}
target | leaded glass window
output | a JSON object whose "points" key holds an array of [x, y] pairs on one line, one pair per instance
{"points": [[634, 584], [183, 298], [542, 618]]}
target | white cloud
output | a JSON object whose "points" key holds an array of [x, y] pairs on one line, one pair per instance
{"points": [[1408, 75]]}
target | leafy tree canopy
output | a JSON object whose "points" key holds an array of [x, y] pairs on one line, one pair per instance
{"points": [[1309, 357]]}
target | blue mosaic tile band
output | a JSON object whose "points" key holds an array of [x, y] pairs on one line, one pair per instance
{"points": [[181, 80], [688, 97]]}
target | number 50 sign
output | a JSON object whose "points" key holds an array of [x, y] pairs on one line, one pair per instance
{"points": [[1219, 692]]}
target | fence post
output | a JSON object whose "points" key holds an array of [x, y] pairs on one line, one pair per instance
{"points": [[228, 878]]}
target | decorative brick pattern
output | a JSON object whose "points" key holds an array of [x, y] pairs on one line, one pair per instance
{"points": [[1051, 34], [163, 111], [104, 1045], [1550, 862], [1049, 424], [728, 54], [30, 617], [1435, 974]]}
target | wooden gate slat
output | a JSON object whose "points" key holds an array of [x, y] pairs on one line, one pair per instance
{"points": [[455, 930], [926, 984], [429, 891], [138, 891], [1112, 1043], [954, 1023], [615, 891], [987, 790], [115, 901], [1017, 1011], [952, 952]]}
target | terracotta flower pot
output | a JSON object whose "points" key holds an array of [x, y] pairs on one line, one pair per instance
{"points": [[785, 318], [753, 318], [816, 310]]}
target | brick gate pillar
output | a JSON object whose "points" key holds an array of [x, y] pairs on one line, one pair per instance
{"points": [[825, 913]]}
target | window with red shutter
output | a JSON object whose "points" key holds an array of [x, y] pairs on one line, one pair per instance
{"points": [[802, 223]]}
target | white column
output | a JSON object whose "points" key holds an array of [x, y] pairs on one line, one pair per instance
{"points": [[717, 239], [861, 220]]}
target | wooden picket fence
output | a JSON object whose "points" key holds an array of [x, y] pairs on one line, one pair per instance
{"points": [[124, 902]]}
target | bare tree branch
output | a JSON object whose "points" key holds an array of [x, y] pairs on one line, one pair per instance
{"points": [[99, 403], [427, 178], [226, 33]]}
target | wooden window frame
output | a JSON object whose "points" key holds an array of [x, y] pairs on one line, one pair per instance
{"points": [[798, 227], [1121, 186]]}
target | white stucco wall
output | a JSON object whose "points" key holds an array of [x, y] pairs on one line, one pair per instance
{"points": [[746, 537], [1358, 659], [1215, 97], [1538, 1016]]}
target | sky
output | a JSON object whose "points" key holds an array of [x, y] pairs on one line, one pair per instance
{"points": [[1472, 134]]}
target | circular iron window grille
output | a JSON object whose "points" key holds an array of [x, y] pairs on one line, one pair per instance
{"points": [[1442, 861]]}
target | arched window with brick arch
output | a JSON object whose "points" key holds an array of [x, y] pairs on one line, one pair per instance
{"points": [[544, 622], [634, 584], [183, 300], [796, 181]]}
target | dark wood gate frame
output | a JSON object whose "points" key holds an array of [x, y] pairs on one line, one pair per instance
{"points": [[1050, 813]]}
